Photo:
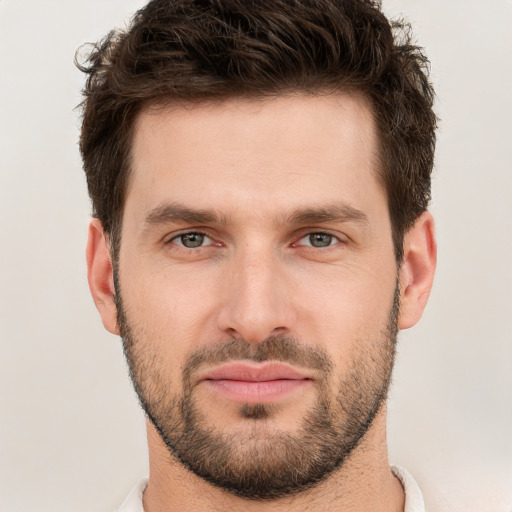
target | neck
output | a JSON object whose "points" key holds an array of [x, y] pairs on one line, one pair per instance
{"points": [[364, 483]]}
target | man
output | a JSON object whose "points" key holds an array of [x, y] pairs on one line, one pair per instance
{"points": [[260, 176]]}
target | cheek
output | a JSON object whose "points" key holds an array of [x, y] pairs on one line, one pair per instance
{"points": [[348, 310], [173, 308]]}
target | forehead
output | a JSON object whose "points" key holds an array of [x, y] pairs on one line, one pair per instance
{"points": [[281, 151]]}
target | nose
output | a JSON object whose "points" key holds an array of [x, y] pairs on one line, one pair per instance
{"points": [[257, 299]]}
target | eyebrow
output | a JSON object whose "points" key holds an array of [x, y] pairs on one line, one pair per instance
{"points": [[176, 212], [331, 213]]}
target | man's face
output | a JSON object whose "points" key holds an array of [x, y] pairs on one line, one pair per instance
{"points": [[257, 286]]}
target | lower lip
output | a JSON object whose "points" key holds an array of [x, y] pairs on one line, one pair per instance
{"points": [[261, 392]]}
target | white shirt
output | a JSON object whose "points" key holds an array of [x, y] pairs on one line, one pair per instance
{"points": [[413, 497]]}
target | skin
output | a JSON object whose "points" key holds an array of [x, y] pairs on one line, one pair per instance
{"points": [[256, 164]]}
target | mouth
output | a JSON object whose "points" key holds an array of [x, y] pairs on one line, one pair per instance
{"points": [[255, 383]]}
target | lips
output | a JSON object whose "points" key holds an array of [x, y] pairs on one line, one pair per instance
{"points": [[249, 382]]}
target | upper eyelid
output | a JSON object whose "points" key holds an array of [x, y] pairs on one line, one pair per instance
{"points": [[319, 232], [170, 237], [308, 232]]}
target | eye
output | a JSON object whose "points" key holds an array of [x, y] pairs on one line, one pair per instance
{"points": [[192, 240], [318, 240]]}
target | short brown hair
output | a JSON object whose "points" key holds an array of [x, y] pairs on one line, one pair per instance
{"points": [[197, 50]]}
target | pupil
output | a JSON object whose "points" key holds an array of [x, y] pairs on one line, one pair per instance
{"points": [[320, 240], [192, 239]]}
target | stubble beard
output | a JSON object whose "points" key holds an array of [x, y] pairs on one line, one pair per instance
{"points": [[264, 462]]}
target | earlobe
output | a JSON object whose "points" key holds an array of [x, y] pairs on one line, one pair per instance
{"points": [[417, 270], [100, 275]]}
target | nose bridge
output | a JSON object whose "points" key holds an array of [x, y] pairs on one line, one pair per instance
{"points": [[256, 304]]}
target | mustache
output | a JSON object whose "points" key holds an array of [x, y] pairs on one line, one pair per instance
{"points": [[284, 349]]}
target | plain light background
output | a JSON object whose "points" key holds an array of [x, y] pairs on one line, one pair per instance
{"points": [[72, 436]]}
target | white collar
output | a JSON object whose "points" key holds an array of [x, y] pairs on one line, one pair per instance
{"points": [[413, 497]]}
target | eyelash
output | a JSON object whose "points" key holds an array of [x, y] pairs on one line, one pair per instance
{"points": [[181, 235], [333, 238], [295, 244]]}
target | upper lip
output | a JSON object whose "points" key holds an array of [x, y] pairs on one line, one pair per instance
{"points": [[253, 372]]}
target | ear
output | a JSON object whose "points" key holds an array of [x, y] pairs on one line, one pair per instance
{"points": [[417, 270], [101, 276]]}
